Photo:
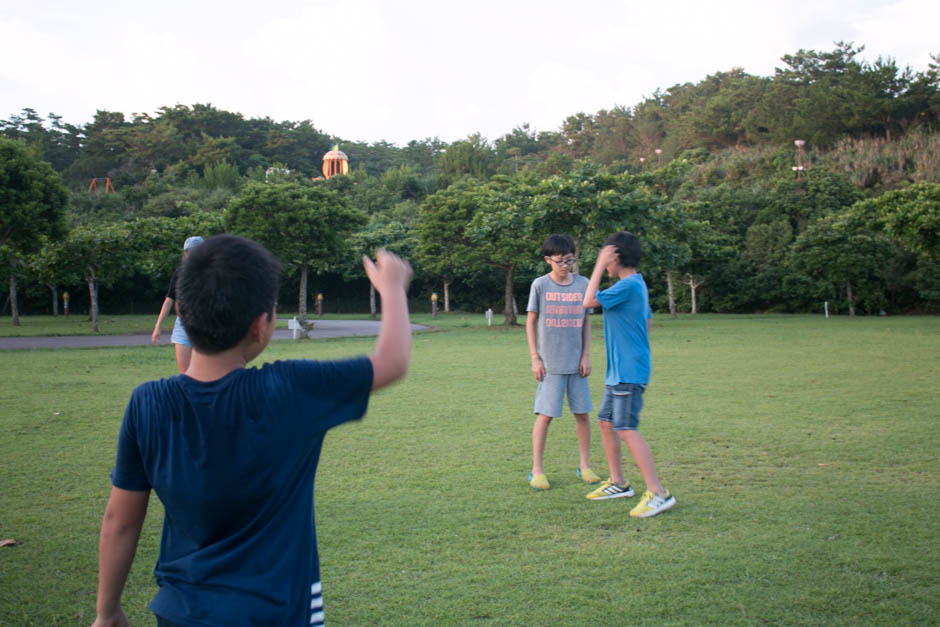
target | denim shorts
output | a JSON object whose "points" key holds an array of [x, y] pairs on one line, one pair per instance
{"points": [[179, 334], [550, 394], [621, 405]]}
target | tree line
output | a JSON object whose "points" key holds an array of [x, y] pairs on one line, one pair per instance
{"points": [[706, 173]]}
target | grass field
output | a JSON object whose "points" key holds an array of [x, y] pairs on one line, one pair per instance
{"points": [[116, 325], [803, 453]]}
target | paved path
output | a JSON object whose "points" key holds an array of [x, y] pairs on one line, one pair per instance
{"points": [[321, 328]]}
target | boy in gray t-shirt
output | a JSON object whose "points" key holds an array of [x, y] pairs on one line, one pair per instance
{"points": [[559, 334]]}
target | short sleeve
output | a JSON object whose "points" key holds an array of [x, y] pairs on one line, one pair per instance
{"points": [[329, 393], [171, 291], [129, 473], [533, 297], [616, 294]]}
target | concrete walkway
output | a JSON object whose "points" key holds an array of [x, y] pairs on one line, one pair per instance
{"points": [[321, 329]]}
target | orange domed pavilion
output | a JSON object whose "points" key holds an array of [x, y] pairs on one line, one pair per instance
{"points": [[335, 162]]}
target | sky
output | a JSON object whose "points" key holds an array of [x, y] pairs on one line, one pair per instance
{"points": [[368, 70]]}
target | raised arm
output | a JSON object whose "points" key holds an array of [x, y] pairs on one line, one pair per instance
{"points": [[390, 275], [120, 531], [606, 256]]}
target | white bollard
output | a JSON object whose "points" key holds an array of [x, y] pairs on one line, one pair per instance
{"points": [[826, 308], [489, 317]]}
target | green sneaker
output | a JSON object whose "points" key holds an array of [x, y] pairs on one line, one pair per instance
{"points": [[652, 504], [587, 476], [538, 482], [610, 490]]}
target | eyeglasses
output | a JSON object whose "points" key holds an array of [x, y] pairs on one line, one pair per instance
{"points": [[567, 261]]}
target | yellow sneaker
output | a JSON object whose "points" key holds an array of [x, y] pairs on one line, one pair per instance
{"points": [[538, 482], [587, 476], [610, 490], [652, 504]]}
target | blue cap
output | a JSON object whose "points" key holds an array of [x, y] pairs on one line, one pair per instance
{"points": [[192, 242]]}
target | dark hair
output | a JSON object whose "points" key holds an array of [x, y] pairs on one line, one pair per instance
{"points": [[223, 285], [628, 248], [558, 244]]}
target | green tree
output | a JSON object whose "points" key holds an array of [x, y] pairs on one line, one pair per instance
{"points": [[32, 203], [589, 203], [767, 244], [444, 248], [676, 242], [910, 215], [222, 175], [503, 232], [466, 157], [160, 240], [46, 266], [844, 257], [306, 226], [380, 232], [101, 254]]}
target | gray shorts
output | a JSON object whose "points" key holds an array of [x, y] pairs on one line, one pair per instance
{"points": [[179, 334], [550, 393], [621, 405]]}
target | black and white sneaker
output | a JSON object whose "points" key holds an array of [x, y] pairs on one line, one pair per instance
{"points": [[610, 490]]}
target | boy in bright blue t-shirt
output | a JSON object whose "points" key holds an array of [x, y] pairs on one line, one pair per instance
{"points": [[232, 452], [627, 321]]}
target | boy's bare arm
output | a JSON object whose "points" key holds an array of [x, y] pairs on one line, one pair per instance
{"points": [[164, 312], [120, 531], [531, 336], [390, 275], [584, 367], [605, 257]]}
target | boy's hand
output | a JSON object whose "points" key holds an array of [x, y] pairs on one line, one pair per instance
{"points": [[607, 256], [118, 619], [388, 272], [584, 368], [538, 368], [155, 337]]}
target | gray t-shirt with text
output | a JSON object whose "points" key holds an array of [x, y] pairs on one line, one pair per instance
{"points": [[561, 320]]}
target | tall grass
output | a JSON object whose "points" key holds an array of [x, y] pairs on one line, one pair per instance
{"points": [[878, 162], [803, 453]]}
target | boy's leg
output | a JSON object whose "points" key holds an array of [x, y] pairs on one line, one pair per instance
{"points": [[612, 450], [548, 404], [617, 486], [184, 350], [583, 429], [644, 459], [183, 356], [539, 435], [579, 400]]}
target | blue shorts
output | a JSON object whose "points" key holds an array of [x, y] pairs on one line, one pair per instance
{"points": [[621, 405], [179, 334], [550, 394]]}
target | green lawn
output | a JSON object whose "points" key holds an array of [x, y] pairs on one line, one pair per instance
{"points": [[121, 325], [803, 453]]}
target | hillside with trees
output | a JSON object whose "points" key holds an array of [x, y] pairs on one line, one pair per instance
{"points": [[735, 214]]}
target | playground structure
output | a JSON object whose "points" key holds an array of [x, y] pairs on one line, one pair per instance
{"points": [[108, 186]]}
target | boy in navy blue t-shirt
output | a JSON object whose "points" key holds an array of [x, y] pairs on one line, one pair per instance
{"points": [[232, 452], [627, 318]]}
